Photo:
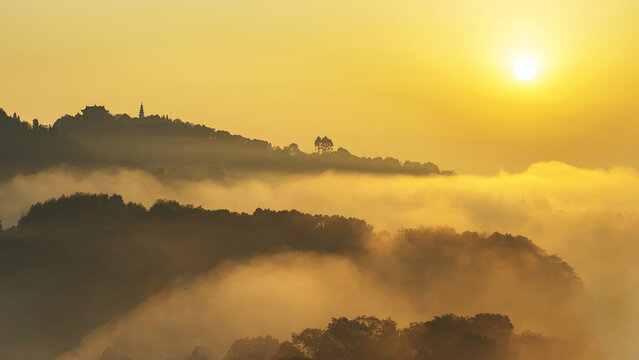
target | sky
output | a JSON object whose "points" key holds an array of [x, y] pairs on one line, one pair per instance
{"points": [[419, 80]]}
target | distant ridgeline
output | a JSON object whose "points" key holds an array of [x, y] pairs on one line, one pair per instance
{"points": [[95, 138]]}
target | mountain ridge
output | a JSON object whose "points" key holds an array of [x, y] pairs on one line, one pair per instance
{"points": [[172, 148]]}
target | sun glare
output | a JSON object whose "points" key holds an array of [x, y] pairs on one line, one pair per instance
{"points": [[525, 69]]}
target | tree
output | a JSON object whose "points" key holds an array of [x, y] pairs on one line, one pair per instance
{"points": [[452, 337], [323, 145], [259, 348], [318, 143], [141, 115], [362, 338], [293, 149], [326, 145], [288, 351]]}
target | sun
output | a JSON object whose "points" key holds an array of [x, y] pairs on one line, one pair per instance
{"points": [[525, 69]]}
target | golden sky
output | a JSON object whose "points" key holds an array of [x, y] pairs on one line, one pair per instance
{"points": [[415, 79]]}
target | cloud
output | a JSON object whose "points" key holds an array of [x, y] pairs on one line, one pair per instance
{"points": [[587, 216], [291, 291]]}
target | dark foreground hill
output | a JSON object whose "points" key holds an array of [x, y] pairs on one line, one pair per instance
{"points": [[75, 263], [96, 138]]}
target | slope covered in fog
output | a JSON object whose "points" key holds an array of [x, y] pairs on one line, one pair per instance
{"points": [[76, 263], [72, 263]]}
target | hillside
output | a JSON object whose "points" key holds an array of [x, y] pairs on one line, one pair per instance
{"points": [[75, 263], [170, 148]]}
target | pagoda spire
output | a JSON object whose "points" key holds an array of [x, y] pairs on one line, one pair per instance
{"points": [[141, 115]]}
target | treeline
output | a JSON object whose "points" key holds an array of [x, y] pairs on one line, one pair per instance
{"points": [[448, 337], [29, 147], [170, 148], [74, 263]]}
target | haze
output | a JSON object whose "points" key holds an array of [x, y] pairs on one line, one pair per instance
{"points": [[319, 180], [423, 80]]}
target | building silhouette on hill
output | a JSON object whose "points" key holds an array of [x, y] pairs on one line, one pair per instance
{"points": [[94, 110]]}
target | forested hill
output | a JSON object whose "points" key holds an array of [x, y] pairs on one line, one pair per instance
{"points": [[96, 138], [72, 264]]}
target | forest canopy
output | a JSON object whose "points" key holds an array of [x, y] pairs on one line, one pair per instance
{"points": [[447, 337], [74, 263]]}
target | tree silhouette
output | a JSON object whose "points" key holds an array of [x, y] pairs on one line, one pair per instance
{"points": [[326, 145], [448, 337], [141, 114], [452, 337], [259, 348], [293, 149], [323, 145]]}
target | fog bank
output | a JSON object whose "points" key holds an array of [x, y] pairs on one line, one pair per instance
{"points": [[586, 216]]}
